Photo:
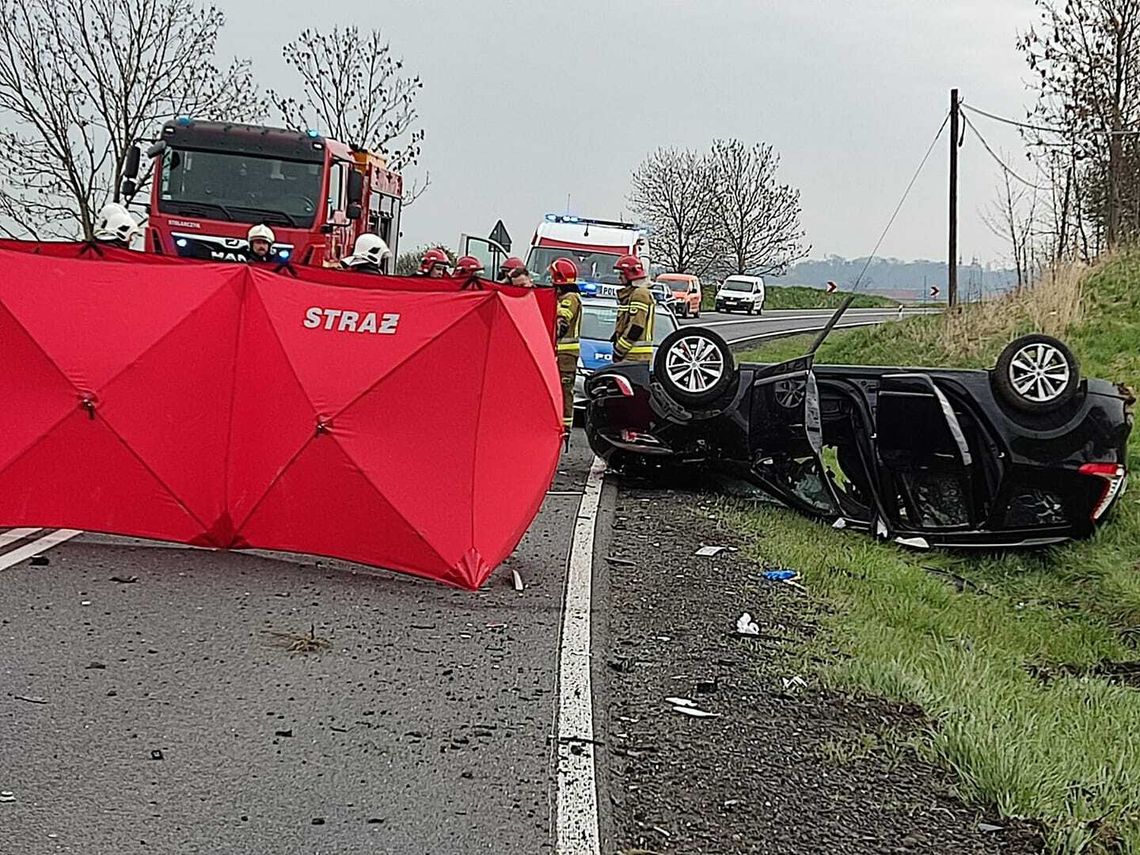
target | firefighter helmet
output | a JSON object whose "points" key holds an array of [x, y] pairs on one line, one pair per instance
{"points": [[261, 232], [433, 258], [368, 249], [508, 267], [469, 265], [630, 268], [563, 271], [115, 223]]}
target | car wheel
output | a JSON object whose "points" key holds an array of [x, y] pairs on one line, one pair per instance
{"points": [[695, 367], [1036, 374]]}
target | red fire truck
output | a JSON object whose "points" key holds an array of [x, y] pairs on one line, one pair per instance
{"points": [[211, 181]]}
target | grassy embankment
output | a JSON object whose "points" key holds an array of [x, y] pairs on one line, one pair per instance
{"points": [[1009, 655]]}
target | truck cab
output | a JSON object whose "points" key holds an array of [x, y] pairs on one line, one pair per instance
{"points": [[212, 181], [593, 245]]}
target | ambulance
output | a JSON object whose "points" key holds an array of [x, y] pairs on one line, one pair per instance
{"points": [[594, 245]]}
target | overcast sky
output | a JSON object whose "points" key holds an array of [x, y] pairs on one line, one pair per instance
{"points": [[528, 102]]}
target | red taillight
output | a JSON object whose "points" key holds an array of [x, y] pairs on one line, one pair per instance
{"points": [[624, 386], [1114, 476]]}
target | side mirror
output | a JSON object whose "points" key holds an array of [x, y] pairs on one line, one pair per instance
{"points": [[131, 167], [353, 211], [156, 149], [355, 191], [129, 188]]}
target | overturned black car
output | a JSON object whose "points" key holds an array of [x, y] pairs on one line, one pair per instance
{"points": [[1025, 454]]}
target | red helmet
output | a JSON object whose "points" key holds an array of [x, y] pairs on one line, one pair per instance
{"points": [[510, 266], [432, 258], [563, 272], [468, 266], [630, 268]]}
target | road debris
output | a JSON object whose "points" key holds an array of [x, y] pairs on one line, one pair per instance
{"points": [[710, 551], [796, 682], [680, 702], [620, 562], [96, 666], [31, 699], [40, 561], [839, 524], [7, 796], [125, 580], [157, 755], [745, 625], [518, 580], [780, 575], [301, 642], [986, 828], [693, 712]]}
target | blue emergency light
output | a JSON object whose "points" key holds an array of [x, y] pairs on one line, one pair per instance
{"points": [[283, 253], [181, 242], [182, 121]]}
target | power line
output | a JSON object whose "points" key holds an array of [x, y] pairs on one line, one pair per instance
{"points": [[906, 192], [1007, 169], [1041, 128]]}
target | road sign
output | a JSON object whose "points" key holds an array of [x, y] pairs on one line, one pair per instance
{"points": [[831, 286], [499, 235], [934, 291]]}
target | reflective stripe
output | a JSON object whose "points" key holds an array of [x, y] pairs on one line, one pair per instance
{"points": [[641, 349], [569, 347]]}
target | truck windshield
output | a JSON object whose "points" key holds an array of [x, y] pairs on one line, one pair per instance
{"points": [[240, 187], [592, 266]]}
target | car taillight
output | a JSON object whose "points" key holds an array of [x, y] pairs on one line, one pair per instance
{"points": [[1113, 475], [640, 438], [601, 390]]}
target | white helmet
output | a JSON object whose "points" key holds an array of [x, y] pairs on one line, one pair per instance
{"points": [[261, 232], [115, 223], [368, 249]]}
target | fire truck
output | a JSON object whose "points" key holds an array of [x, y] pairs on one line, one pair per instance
{"points": [[211, 181], [594, 245]]}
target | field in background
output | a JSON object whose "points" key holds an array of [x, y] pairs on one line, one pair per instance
{"points": [[1026, 663], [802, 297]]}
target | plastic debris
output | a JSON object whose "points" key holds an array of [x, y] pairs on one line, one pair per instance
{"points": [[31, 699], [780, 575], [796, 682], [125, 580], [680, 702], [746, 626], [518, 580], [693, 712], [157, 755], [709, 551], [839, 524], [40, 561], [707, 687], [7, 796], [985, 827]]}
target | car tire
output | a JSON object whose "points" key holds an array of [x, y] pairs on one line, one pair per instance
{"points": [[1036, 374], [695, 367]]}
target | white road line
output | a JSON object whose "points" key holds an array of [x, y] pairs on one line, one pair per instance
{"points": [[43, 544], [15, 535], [577, 782], [770, 318]]}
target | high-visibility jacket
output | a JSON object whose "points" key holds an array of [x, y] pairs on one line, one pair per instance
{"points": [[633, 333], [569, 323]]}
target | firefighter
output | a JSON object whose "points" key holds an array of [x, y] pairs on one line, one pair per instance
{"points": [[508, 267], [434, 264], [468, 267], [633, 333], [261, 239], [115, 226], [369, 255], [564, 278]]}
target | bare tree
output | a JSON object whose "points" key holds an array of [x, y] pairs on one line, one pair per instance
{"points": [[758, 219], [673, 193], [1013, 217], [355, 90], [83, 80], [1086, 57]]}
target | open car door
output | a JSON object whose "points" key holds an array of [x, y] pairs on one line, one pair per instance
{"points": [[786, 437], [931, 480], [490, 253]]}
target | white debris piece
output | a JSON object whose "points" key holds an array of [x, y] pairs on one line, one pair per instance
{"points": [[710, 551], [839, 523], [796, 682], [693, 712], [680, 702], [746, 626]]}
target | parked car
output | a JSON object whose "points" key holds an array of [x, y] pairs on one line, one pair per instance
{"points": [[598, 318], [1025, 454], [686, 291], [741, 292], [662, 293]]}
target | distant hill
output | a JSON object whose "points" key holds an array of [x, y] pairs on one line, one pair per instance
{"points": [[900, 280]]}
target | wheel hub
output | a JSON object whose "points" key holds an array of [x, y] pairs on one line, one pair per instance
{"points": [[694, 364], [1039, 372]]}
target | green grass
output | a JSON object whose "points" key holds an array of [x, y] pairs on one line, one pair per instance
{"points": [[1065, 751], [801, 297]]}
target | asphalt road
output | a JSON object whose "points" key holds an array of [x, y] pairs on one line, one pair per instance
{"points": [[157, 713], [159, 716], [743, 330]]}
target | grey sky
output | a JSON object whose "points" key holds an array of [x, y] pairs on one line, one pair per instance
{"points": [[526, 102]]}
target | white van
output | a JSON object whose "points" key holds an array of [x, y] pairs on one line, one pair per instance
{"points": [[741, 292]]}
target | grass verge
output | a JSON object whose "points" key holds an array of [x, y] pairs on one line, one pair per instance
{"points": [[1006, 653], [802, 297]]}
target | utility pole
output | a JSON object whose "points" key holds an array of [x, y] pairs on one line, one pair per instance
{"points": [[952, 272]]}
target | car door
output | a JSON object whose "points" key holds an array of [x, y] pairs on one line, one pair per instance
{"points": [[930, 478], [489, 253], [785, 435]]}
